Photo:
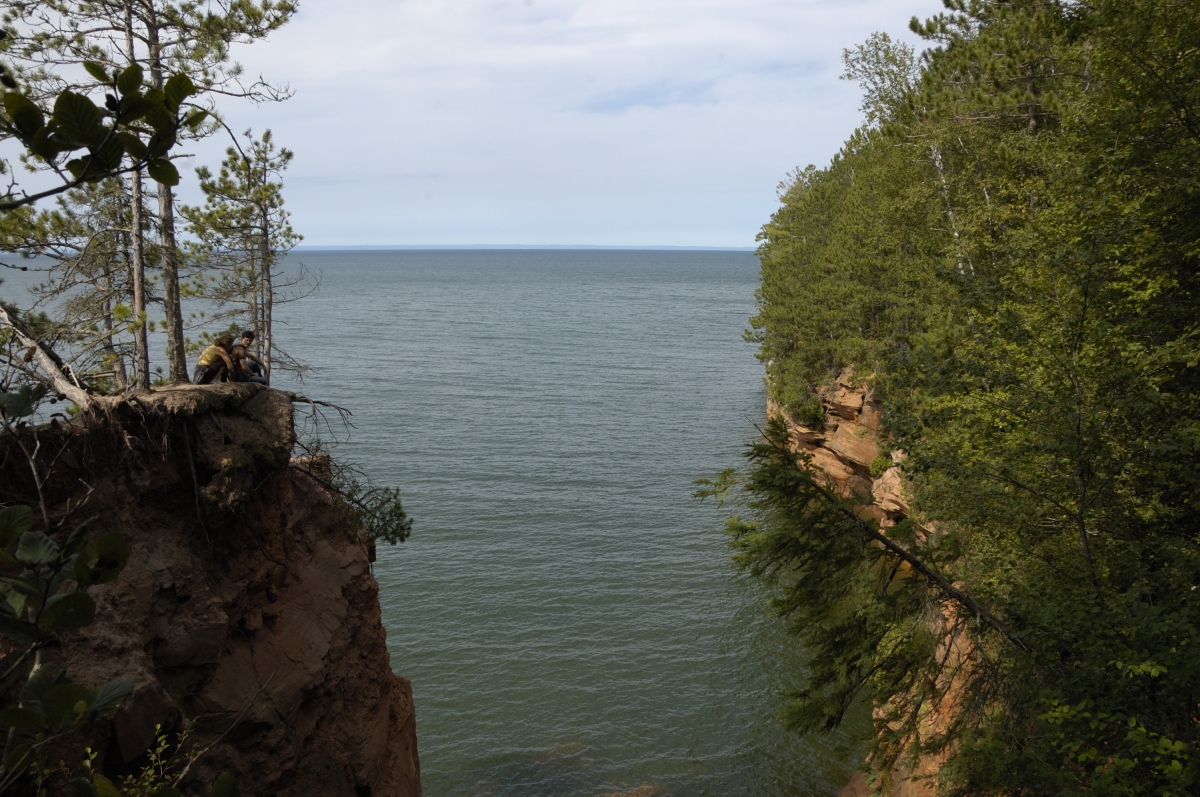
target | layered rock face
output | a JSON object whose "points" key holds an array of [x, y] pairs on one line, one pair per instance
{"points": [[248, 609], [844, 452], [849, 445]]}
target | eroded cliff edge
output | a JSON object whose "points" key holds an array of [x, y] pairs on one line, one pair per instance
{"points": [[847, 452], [249, 590]]}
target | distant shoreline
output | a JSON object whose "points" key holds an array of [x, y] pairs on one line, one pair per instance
{"points": [[494, 247]]}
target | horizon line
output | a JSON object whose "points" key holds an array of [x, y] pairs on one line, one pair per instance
{"points": [[432, 247]]}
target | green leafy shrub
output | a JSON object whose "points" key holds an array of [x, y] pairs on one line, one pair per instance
{"points": [[808, 411]]}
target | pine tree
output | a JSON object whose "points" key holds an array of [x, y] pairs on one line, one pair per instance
{"points": [[1036, 347], [243, 233], [189, 39]]}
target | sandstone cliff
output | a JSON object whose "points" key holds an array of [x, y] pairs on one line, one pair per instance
{"points": [[849, 445], [844, 452], [249, 594]]}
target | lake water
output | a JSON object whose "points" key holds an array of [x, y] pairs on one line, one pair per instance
{"points": [[567, 613]]}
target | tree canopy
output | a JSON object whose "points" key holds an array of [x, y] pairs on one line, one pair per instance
{"points": [[1009, 248]]}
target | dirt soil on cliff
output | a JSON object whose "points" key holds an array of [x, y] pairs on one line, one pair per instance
{"points": [[248, 609]]}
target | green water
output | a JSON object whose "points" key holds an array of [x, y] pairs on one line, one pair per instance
{"points": [[566, 611]]}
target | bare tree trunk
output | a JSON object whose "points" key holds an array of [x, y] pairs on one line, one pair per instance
{"points": [[268, 290], [169, 256], [141, 345], [117, 362], [169, 262], [254, 306]]}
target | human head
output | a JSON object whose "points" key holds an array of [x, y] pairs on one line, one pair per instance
{"points": [[224, 341], [247, 337]]}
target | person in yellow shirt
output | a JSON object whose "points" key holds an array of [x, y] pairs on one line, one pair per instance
{"points": [[214, 360]]}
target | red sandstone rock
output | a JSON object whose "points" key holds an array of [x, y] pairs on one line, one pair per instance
{"points": [[888, 492], [856, 445], [842, 455]]}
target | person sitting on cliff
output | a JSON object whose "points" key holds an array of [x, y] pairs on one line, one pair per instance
{"points": [[242, 367], [254, 366], [214, 361]]}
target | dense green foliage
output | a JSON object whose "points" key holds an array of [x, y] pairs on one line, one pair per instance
{"points": [[1011, 249]]}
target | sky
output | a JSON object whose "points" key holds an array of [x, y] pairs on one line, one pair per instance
{"points": [[553, 122]]}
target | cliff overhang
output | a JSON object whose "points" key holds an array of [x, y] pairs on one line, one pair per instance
{"points": [[247, 614]]}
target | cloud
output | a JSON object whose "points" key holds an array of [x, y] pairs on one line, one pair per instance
{"points": [[555, 121]]}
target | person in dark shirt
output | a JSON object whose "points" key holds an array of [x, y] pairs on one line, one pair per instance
{"points": [[254, 366], [242, 366]]}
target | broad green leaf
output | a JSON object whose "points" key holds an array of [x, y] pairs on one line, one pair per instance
{"points": [[22, 718], [23, 584], [72, 610], [110, 553], [23, 401], [225, 786], [77, 118], [81, 570], [60, 701], [105, 787], [78, 787], [163, 171], [78, 538], [161, 142], [45, 145], [19, 630], [39, 684], [14, 521], [195, 119], [166, 791], [130, 80], [97, 71], [156, 113], [133, 145], [107, 157], [78, 167], [35, 548], [104, 699], [178, 89], [19, 760], [13, 604], [133, 107], [26, 115]]}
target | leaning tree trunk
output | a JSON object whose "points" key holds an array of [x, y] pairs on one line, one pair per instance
{"points": [[53, 371]]}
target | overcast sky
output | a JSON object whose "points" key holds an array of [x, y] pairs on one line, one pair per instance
{"points": [[576, 122]]}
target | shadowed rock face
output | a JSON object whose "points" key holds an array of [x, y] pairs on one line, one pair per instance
{"points": [[249, 595]]}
